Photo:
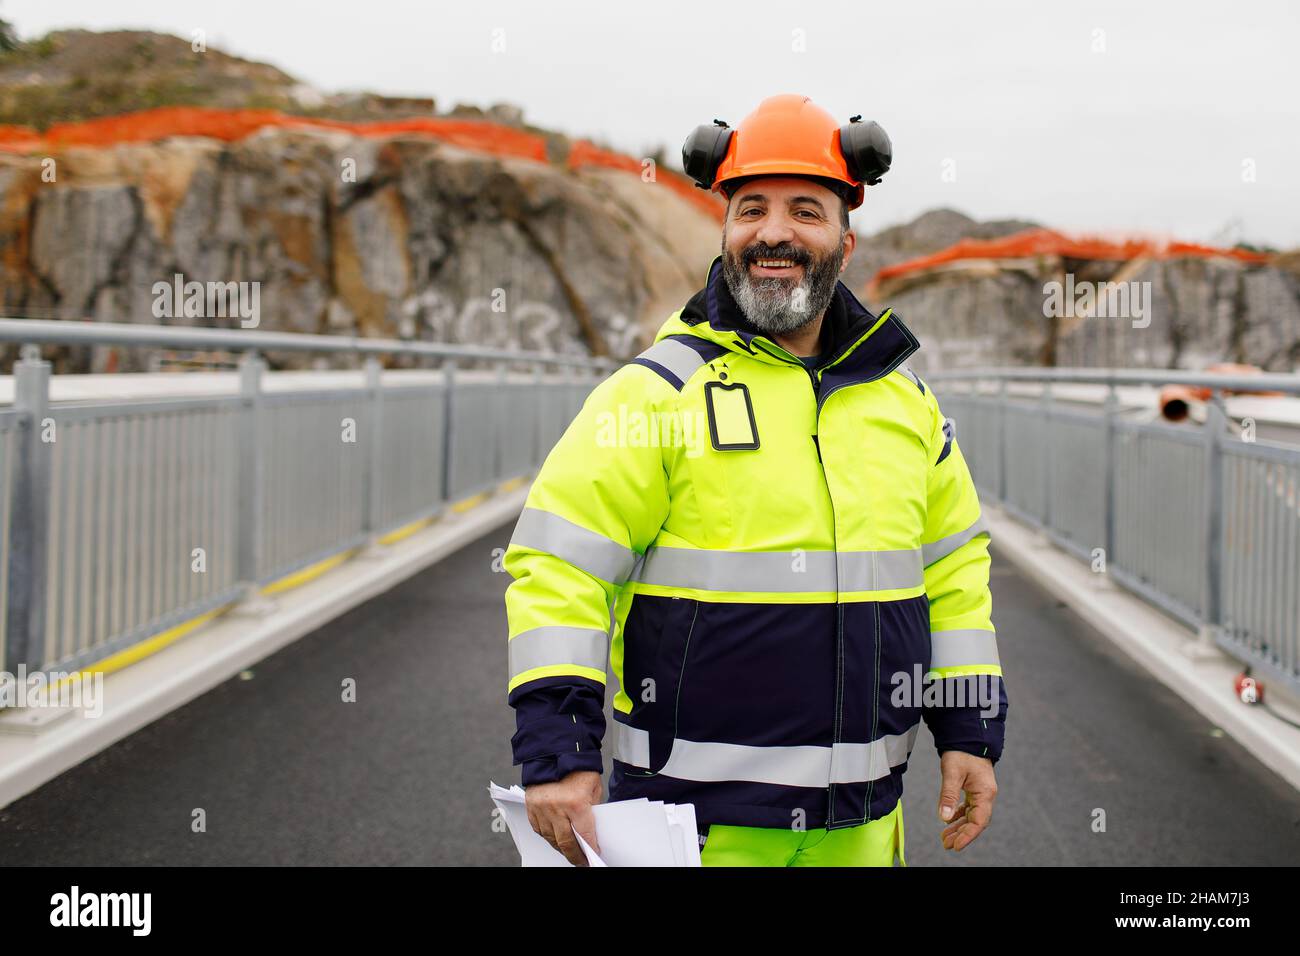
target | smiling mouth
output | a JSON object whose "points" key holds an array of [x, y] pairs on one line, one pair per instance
{"points": [[774, 267]]}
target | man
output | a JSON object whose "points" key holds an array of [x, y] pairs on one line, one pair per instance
{"points": [[791, 573]]}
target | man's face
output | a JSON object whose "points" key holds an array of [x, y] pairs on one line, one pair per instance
{"points": [[783, 250]]}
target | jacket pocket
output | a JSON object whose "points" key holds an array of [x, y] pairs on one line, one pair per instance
{"points": [[656, 643], [759, 675]]}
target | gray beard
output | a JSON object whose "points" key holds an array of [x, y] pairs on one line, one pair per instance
{"points": [[776, 306]]}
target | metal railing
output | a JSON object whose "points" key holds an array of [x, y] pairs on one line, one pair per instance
{"points": [[1200, 520], [122, 519]]}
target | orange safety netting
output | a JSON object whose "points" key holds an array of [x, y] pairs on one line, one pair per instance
{"points": [[148, 126], [16, 137], [1046, 242], [584, 153], [231, 125]]}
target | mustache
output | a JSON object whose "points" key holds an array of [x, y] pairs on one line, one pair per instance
{"points": [[754, 253]]}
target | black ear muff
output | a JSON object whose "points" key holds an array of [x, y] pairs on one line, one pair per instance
{"points": [[704, 150], [867, 150]]}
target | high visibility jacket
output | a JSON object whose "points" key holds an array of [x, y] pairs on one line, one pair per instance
{"points": [[770, 557]]}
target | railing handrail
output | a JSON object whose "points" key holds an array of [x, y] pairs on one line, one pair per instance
{"points": [[1264, 382], [73, 332]]}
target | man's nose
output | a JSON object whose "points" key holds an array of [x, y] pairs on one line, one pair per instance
{"points": [[775, 230]]}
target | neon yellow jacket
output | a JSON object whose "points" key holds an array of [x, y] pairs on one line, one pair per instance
{"points": [[786, 570]]}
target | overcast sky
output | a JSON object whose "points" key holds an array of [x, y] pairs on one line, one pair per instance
{"points": [[1180, 118]]}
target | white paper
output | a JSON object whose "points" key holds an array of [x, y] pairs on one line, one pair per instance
{"points": [[593, 859], [681, 822], [630, 833], [533, 849]]}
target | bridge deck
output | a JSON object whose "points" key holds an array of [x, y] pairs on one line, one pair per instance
{"points": [[289, 774]]}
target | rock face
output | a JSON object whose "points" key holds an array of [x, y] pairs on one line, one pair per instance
{"points": [[339, 228], [1196, 311], [928, 232], [346, 230], [402, 237]]}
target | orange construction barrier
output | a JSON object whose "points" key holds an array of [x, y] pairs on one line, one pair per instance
{"points": [[584, 153], [1046, 242], [148, 126], [232, 125]]}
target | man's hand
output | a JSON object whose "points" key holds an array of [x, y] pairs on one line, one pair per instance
{"points": [[963, 771], [557, 809]]}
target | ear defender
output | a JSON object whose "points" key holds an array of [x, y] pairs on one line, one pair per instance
{"points": [[703, 151], [867, 150]]}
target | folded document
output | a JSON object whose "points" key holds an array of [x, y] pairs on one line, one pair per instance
{"points": [[630, 833]]}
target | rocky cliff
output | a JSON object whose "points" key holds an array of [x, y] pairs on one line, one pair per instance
{"points": [[469, 227], [986, 312], [369, 215]]}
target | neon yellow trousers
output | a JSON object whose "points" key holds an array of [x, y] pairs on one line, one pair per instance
{"points": [[870, 844]]}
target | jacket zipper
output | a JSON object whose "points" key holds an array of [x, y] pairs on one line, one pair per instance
{"points": [[839, 608]]}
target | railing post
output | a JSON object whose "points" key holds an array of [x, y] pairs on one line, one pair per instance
{"points": [[29, 516], [501, 413], [372, 478], [1002, 440], [252, 484], [1212, 607], [535, 455], [448, 417], [1110, 488], [1047, 445]]}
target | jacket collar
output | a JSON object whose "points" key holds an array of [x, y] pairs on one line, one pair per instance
{"points": [[861, 346]]}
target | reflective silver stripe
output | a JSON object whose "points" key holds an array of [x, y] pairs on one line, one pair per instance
{"points": [[781, 571], [677, 357], [788, 766], [631, 746], [946, 546], [739, 570], [959, 648], [592, 552], [543, 646], [853, 763], [880, 570]]}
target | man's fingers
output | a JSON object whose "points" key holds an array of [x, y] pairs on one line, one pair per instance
{"points": [[959, 819], [557, 831], [950, 797], [980, 802], [970, 820], [585, 823], [549, 825], [535, 821], [961, 835], [966, 818], [567, 843]]}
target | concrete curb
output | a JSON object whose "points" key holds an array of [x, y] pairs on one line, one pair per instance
{"points": [[1202, 676], [157, 685]]}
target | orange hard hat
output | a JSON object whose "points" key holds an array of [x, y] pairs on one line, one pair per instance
{"points": [[789, 135]]}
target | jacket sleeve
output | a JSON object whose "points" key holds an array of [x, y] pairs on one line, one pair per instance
{"points": [[597, 503], [970, 713]]}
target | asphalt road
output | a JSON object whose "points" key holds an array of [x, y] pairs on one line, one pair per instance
{"points": [[286, 772]]}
